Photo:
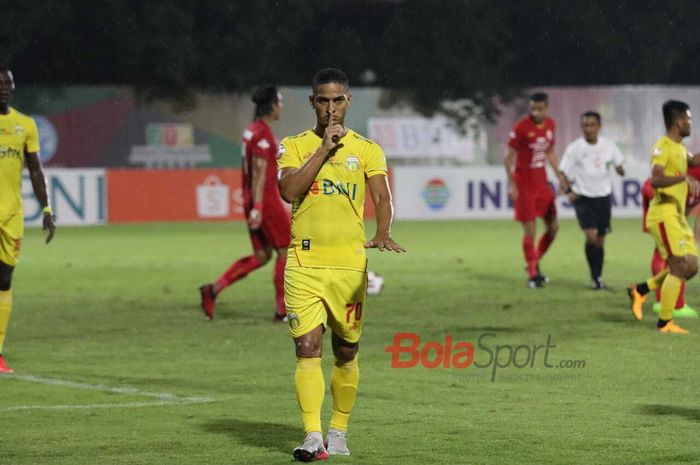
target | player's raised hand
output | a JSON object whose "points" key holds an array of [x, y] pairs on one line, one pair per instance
{"points": [[332, 135], [49, 227], [384, 242], [513, 191], [693, 186]]}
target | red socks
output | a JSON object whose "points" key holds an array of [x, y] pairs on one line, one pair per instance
{"points": [[279, 284], [545, 241], [237, 271], [530, 255]]}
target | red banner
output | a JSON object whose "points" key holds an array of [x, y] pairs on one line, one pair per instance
{"points": [[141, 195]]}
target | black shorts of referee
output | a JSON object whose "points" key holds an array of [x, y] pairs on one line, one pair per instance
{"points": [[594, 213]]}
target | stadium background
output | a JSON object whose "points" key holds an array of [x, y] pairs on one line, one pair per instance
{"points": [[140, 109]]}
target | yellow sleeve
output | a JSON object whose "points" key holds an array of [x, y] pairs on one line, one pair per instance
{"points": [[288, 155], [32, 142], [659, 156], [376, 162]]}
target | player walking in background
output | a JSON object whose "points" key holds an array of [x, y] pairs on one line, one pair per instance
{"points": [[666, 219], [531, 145], [19, 144], [268, 219], [323, 172], [586, 169], [681, 309]]}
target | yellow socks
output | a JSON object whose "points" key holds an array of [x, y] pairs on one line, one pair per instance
{"points": [[670, 291], [657, 280], [310, 388], [344, 381], [5, 310]]}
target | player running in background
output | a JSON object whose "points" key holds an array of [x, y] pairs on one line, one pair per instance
{"points": [[531, 145], [586, 167], [324, 172], [268, 219], [666, 219], [681, 309], [19, 144]]}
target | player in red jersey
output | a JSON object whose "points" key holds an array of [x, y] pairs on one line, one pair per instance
{"points": [[268, 219], [682, 309], [531, 145]]}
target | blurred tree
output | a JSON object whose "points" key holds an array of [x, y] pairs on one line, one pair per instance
{"points": [[427, 52]]}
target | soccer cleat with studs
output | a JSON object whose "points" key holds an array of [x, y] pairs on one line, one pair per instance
{"points": [[208, 297], [3, 366], [312, 449]]}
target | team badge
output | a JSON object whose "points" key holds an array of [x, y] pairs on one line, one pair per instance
{"points": [[280, 151], [293, 320], [550, 135], [19, 130], [352, 163]]}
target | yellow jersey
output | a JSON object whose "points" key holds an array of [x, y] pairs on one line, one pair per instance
{"points": [[673, 157], [18, 135], [328, 230]]}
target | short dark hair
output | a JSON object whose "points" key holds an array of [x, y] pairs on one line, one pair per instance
{"points": [[264, 98], [539, 97], [592, 114], [330, 75], [673, 109]]}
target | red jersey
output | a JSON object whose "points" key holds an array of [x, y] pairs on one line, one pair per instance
{"points": [[258, 141], [531, 142]]}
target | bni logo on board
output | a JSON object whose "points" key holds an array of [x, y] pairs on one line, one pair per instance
{"points": [[436, 194]]}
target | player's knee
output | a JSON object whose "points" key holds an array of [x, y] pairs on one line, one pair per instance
{"points": [[691, 269], [308, 348], [5, 277], [263, 255], [345, 353]]}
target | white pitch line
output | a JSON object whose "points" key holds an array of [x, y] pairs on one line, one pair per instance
{"points": [[102, 406], [164, 398]]}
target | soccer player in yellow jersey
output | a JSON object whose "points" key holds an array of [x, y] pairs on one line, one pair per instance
{"points": [[19, 144], [323, 172], [666, 216]]}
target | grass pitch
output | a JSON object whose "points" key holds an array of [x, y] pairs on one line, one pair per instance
{"points": [[115, 363]]}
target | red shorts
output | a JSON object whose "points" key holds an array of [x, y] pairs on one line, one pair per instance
{"points": [[534, 202], [274, 232]]}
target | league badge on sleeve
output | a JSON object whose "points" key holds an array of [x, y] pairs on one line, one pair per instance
{"points": [[280, 151]]}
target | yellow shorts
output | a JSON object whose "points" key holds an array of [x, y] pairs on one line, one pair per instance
{"points": [[673, 237], [322, 296], [11, 231]]}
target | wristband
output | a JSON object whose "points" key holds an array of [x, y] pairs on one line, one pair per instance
{"points": [[47, 210], [258, 206]]}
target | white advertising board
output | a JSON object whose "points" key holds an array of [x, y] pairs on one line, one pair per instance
{"points": [[481, 192]]}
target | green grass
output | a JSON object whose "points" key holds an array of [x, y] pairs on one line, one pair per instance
{"points": [[117, 306]]}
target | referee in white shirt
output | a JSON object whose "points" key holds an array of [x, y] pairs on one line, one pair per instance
{"points": [[586, 166]]}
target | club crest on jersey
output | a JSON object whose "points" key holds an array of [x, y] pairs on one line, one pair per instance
{"points": [[352, 163], [550, 134], [293, 320]]}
